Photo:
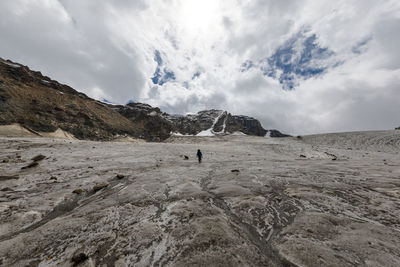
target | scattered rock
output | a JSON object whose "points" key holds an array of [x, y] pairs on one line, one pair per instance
{"points": [[6, 160], [31, 165], [53, 178], [90, 167], [5, 189], [334, 157], [79, 258], [8, 177], [303, 156], [38, 158], [236, 171], [120, 176], [299, 137], [186, 157], [78, 191], [99, 187]]}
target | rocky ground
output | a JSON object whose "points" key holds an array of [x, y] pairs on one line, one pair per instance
{"points": [[323, 200]]}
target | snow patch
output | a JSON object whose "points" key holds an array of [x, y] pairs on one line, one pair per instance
{"points": [[179, 134], [210, 132], [12, 64], [106, 101], [268, 134], [224, 125], [238, 133]]}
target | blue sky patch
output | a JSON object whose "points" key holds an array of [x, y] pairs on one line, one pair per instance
{"points": [[162, 74], [299, 58]]}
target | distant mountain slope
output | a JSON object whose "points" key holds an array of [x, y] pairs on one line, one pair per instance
{"points": [[152, 119], [214, 122], [40, 104]]}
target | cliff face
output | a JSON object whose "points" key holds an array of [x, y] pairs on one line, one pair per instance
{"points": [[193, 124], [218, 122], [41, 104], [157, 127]]}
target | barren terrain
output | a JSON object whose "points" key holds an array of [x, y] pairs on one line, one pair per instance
{"points": [[323, 200]]}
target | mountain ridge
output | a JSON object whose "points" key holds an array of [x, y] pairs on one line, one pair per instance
{"points": [[41, 104]]}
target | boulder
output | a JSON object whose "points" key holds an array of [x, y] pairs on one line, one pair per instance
{"points": [[120, 176], [78, 191], [99, 187], [38, 158]]}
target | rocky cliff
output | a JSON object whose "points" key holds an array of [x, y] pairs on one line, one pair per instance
{"points": [[218, 122], [44, 105], [150, 118]]}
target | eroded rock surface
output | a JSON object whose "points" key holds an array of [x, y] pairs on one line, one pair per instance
{"points": [[41, 104], [277, 210], [219, 122]]}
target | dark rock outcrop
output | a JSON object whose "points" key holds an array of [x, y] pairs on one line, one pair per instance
{"points": [[157, 127], [193, 124], [276, 133], [220, 122]]}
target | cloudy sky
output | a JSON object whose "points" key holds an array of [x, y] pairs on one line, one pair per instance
{"points": [[301, 66]]}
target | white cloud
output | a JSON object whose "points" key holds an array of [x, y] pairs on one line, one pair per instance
{"points": [[106, 49]]}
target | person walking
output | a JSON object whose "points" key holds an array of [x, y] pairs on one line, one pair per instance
{"points": [[199, 155]]}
